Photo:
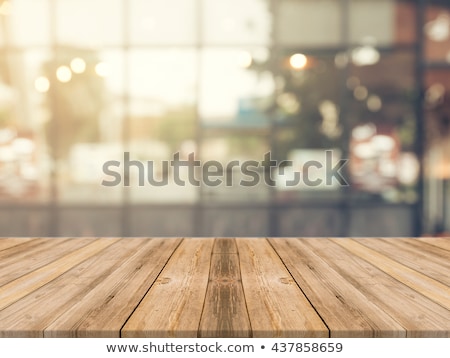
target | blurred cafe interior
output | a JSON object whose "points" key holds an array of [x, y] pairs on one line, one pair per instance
{"points": [[84, 81]]}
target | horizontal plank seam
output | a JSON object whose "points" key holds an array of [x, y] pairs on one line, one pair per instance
{"points": [[57, 276], [48, 263], [150, 287], [407, 264], [403, 264], [298, 285], [395, 278], [19, 243], [430, 243]]}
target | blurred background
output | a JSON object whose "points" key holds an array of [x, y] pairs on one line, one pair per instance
{"points": [[83, 81]]}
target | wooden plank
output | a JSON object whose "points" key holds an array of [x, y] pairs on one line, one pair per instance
{"points": [[173, 306], [6, 243], [345, 310], [103, 311], [276, 306], [29, 316], [24, 285], [225, 246], [435, 290], [16, 250], [415, 255], [31, 259], [441, 242], [420, 316], [225, 313]]}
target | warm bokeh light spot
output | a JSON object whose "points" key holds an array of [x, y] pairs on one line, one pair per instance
{"points": [[298, 61], [63, 74], [42, 84], [78, 65], [102, 69]]}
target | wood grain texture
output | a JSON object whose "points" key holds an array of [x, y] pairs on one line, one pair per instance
{"points": [[32, 313], [420, 316], [28, 259], [416, 255], [276, 306], [6, 243], [104, 309], [421, 283], [346, 311], [191, 287], [440, 242], [24, 285], [174, 304], [225, 312]]}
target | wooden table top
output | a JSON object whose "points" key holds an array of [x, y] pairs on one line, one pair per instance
{"points": [[193, 287]]}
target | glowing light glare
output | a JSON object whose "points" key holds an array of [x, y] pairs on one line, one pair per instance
{"points": [[78, 65], [374, 103], [42, 84], [298, 61], [435, 93], [23, 146], [364, 132], [245, 59], [408, 168], [5, 8], [383, 143], [63, 74], [365, 56], [360, 93], [364, 151], [439, 29], [102, 69]]}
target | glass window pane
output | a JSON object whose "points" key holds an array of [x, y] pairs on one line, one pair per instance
{"points": [[382, 118], [24, 111], [86, 125], [163, 22], [27, 22], [89, 22], [308, 100], [237, 22], [308, 123], [309, 23], [232, 92], [163, 122], [373, 21], [233, 169]]}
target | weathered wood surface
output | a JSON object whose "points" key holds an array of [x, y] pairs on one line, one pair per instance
{"points": [[194, 287]]}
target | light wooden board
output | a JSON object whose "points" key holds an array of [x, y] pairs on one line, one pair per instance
{"points": [[276, 305], [28, 259], [103, 310], [346, 310], [26, 284], [242, 287], [420, 316], [225, 312], [421, 283], [173, 306]]}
